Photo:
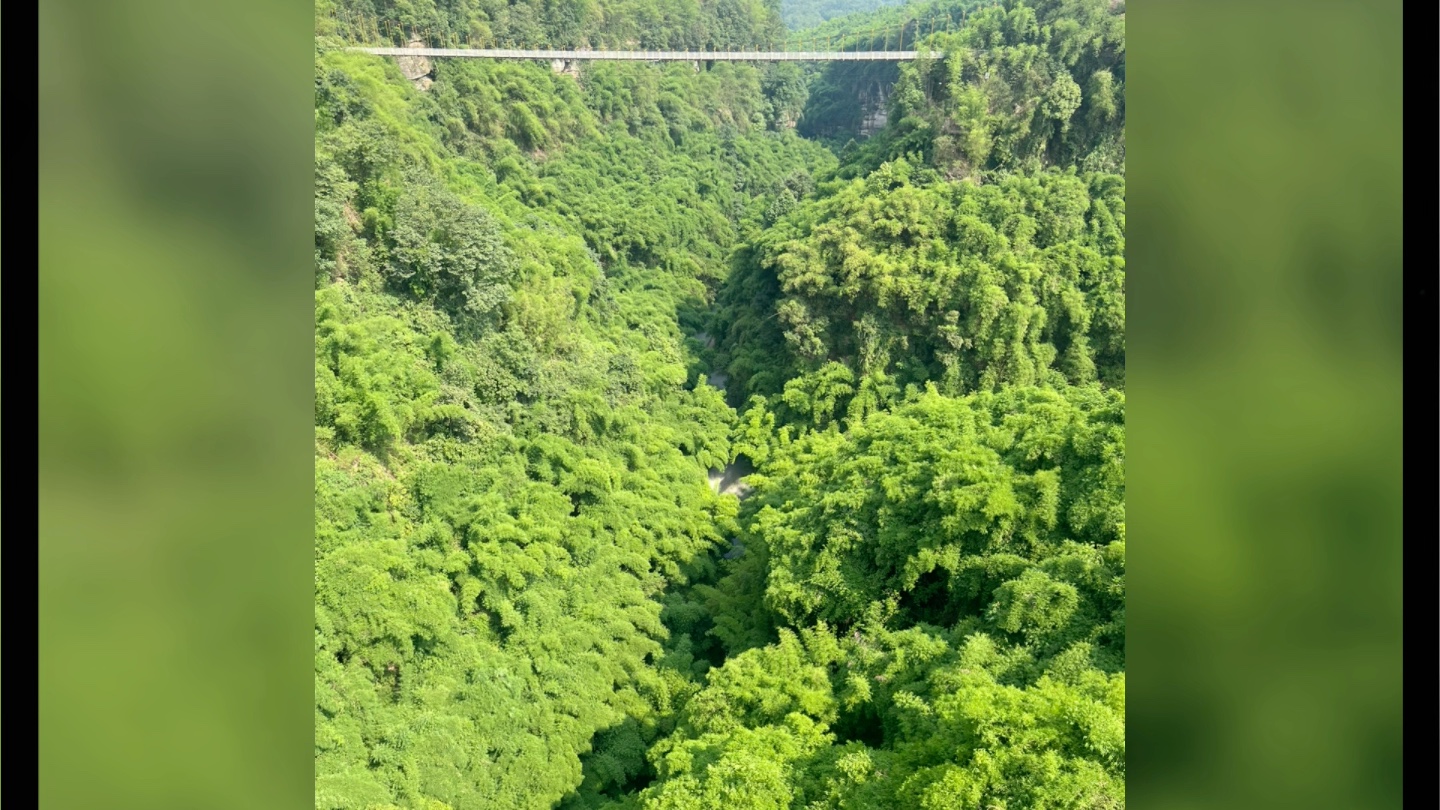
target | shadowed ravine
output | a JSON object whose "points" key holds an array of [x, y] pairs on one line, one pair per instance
{"points": [[730, 481]]}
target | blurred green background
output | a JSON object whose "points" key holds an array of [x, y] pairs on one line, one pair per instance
{"points": [[176, 407], [1264, 410]]}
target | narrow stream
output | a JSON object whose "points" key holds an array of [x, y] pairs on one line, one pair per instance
{"points": [[728, 481]]}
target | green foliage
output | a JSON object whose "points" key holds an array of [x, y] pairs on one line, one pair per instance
{"points": [[802, 14], [955, 733], [843, 94], [539, 298], [936, 502], [903, 279], [447, 251], [687, 24], [1019, 87], [943, 620], [510, 456]]}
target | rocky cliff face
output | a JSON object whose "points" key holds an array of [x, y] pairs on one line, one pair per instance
{"points": [[875, 109], [566, 67], [874, 121], [417, 69]]}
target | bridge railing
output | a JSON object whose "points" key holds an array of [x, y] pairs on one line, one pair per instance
{"points": [[644, 56]]}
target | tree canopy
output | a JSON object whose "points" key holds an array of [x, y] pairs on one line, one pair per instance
{"points": [[556, 317]]}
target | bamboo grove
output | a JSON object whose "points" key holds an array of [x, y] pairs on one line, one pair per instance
{"points": [[551, 309]]}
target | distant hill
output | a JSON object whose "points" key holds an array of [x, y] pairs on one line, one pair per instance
{"points": [[801, 14]]}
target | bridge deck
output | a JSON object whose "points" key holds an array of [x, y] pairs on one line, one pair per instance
{"points": [[653, 56]]}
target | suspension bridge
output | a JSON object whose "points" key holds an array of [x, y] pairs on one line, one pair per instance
{"points": [[894, 43], [647, 56]]}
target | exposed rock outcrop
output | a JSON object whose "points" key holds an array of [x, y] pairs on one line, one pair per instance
{"points": [[730, 480], [418, 69], [875, 112]]}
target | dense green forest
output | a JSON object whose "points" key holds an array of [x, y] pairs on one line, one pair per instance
{"points": [[551, 311], [648, 24], [799, 15]]}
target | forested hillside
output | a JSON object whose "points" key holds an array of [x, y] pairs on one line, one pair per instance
{"points": [[549, 307], [799, 15], [678, 24]]}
